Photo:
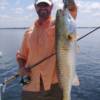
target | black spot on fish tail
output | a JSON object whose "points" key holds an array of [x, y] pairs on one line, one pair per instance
{"points": [[71, 37]]}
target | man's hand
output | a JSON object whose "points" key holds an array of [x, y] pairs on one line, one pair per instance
{"points": [[71, 6], [24, 71]]}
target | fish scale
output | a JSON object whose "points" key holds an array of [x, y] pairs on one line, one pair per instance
{"points": [[65, 52]]}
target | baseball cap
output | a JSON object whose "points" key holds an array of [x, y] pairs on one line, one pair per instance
{"points": [[46, 1]]}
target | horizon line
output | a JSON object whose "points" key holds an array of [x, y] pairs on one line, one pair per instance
{"points": [[28, 27]]}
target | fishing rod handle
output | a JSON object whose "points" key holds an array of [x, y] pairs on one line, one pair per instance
{"points": [[8, 80]]}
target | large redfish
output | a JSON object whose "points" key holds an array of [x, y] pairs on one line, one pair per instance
{"points": [[65, 51]]}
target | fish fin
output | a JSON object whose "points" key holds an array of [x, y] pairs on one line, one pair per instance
{"points": [[77, 49], [76, 81]]}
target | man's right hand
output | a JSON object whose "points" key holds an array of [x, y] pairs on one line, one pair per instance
{"points": [[24, 71], [22, 63]]}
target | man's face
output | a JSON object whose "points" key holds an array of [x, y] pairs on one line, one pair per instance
{"points": [[43, 10]]}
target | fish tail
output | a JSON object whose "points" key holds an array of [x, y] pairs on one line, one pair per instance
{"points": [[76, 81], [66, 94]]}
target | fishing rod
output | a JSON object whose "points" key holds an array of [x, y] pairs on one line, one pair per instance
{"points": [[88, 33], [26, 79], [7, 81]]}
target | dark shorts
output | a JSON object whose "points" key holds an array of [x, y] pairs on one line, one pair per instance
{"points": [[55, 93]]}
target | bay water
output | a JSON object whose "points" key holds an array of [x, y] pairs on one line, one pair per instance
{"points": [[87, 65]]}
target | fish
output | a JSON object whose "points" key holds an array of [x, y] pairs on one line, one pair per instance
{"points": [[65, 34]]}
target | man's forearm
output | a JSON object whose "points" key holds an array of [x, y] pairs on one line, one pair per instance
{"points": [[21, 63]]}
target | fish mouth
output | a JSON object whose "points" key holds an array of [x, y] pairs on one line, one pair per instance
{"points": [[60, 13]]}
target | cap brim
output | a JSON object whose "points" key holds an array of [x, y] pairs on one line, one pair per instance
{"points": [[45, 1]]}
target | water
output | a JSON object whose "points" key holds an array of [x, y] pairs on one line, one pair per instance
{"points": [[10, 40], [88, 64]]}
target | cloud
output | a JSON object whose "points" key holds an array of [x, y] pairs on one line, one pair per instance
{"points": [[17, 2], [97, 14], [95, 5], [3, 4], [19, 10], [3, 17], [88, 6], [58, 4], [88, 12], [30, 7], [14, 18], [2, 7]]}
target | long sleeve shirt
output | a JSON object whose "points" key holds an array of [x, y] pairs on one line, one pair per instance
{"points": [[39, 43]]}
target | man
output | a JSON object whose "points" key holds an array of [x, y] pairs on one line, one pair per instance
{"points": [[39, 43]]}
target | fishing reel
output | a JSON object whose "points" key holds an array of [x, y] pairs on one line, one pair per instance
{"points": [[25, 80]]}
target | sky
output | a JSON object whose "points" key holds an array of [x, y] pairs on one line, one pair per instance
{"points": [[21, 13]]}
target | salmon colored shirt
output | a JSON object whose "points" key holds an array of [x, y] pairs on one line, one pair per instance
{"points": [[38, 43]]}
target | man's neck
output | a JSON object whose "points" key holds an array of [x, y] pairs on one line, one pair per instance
{"points": [[42, 20]]}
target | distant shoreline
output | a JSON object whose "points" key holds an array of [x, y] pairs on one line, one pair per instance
{"points": [[14, 28], [27, 27], [88, 27]]}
